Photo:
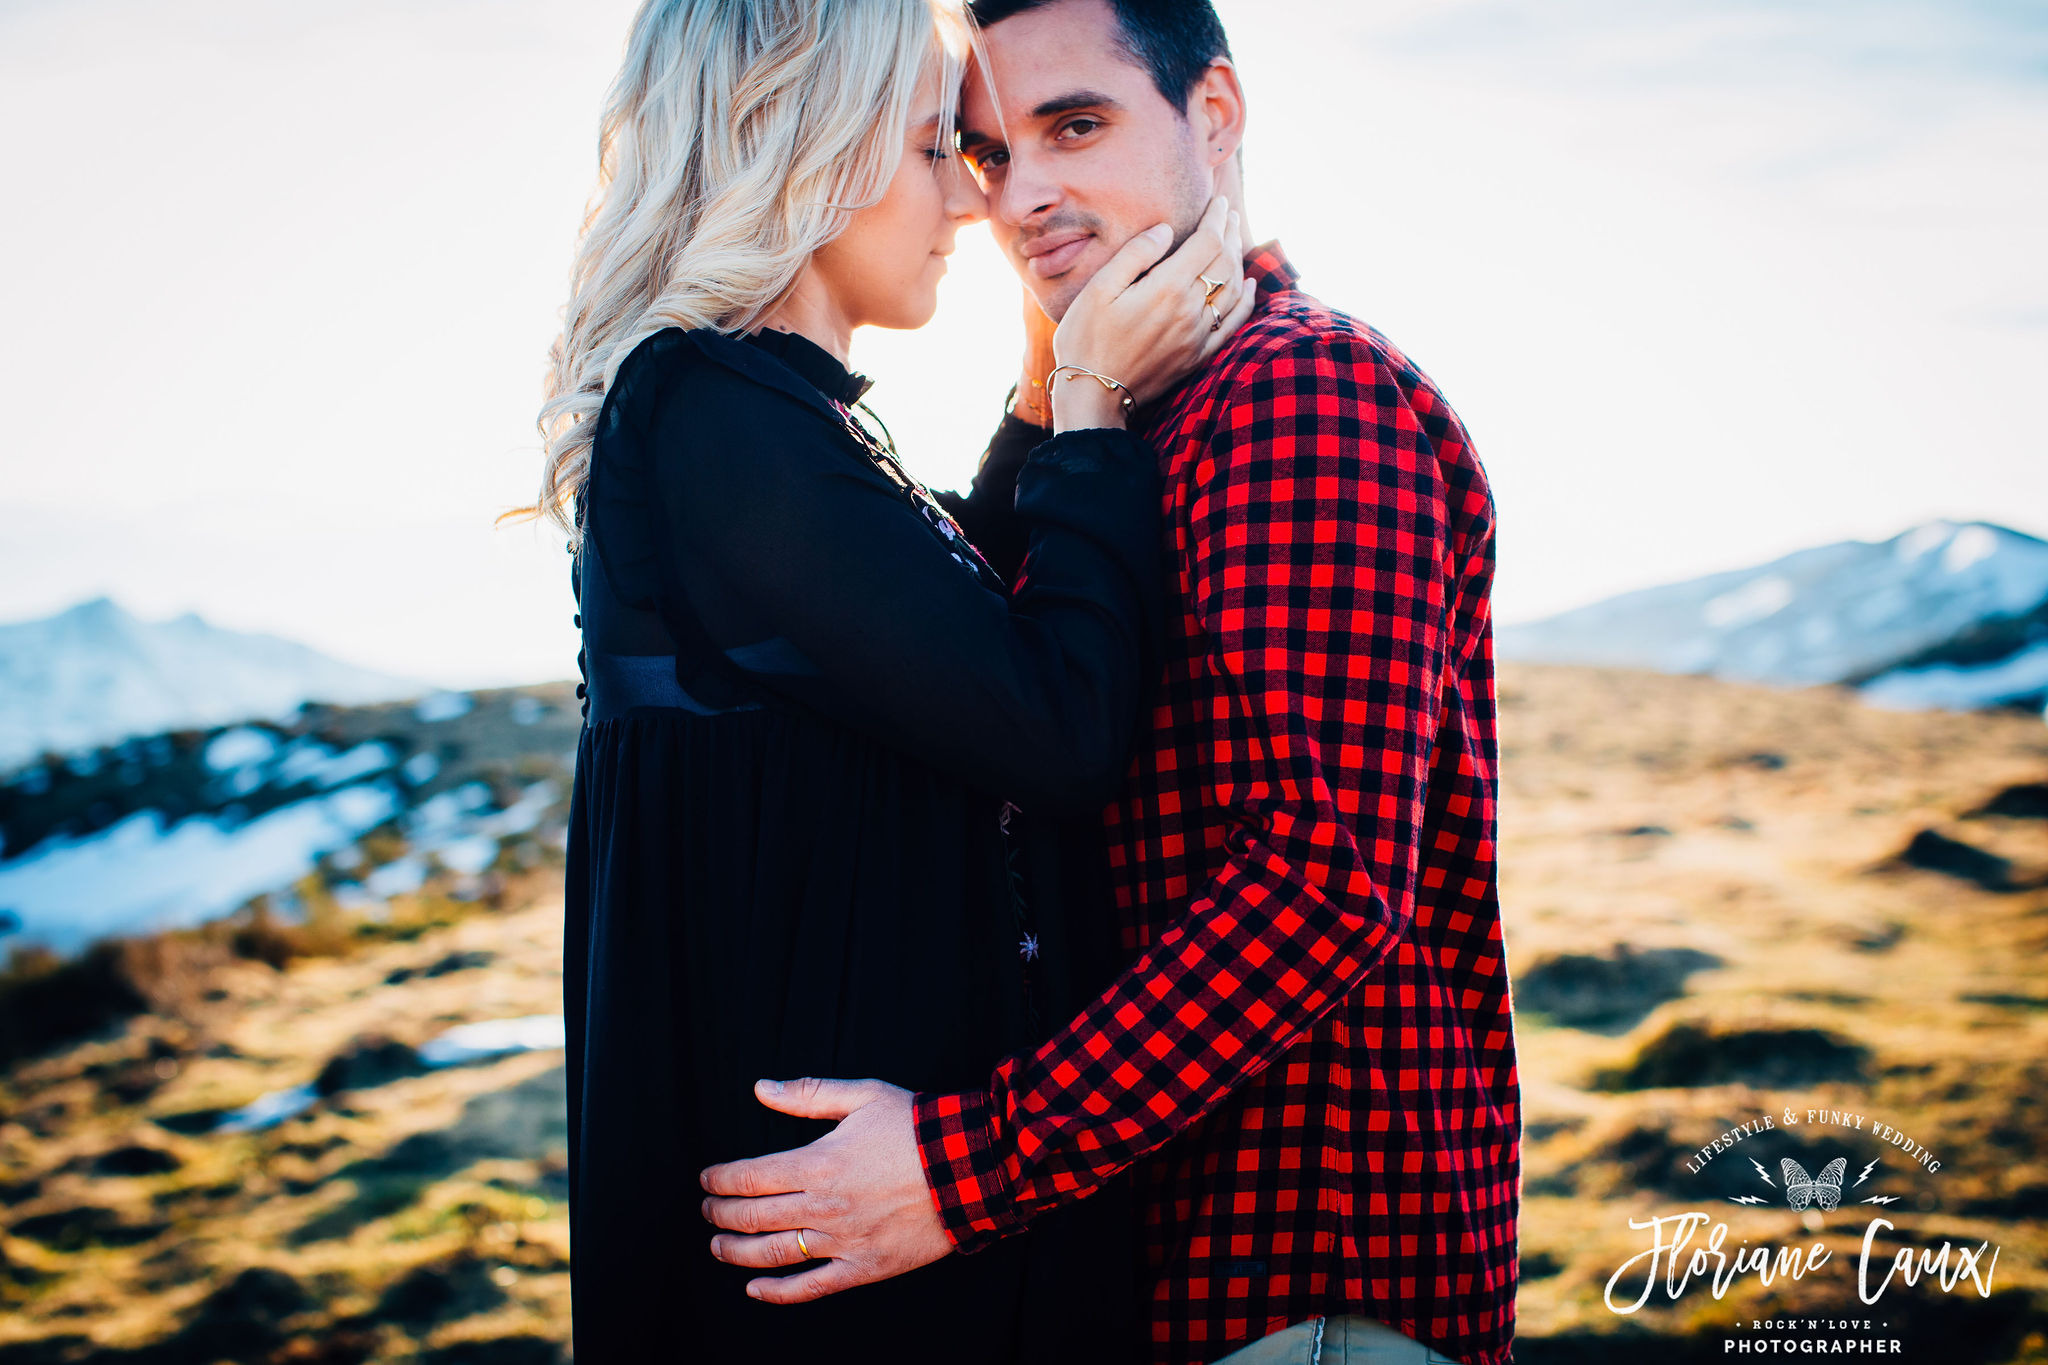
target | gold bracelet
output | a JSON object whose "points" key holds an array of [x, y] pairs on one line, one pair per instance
{"points": [[1111, 384]]}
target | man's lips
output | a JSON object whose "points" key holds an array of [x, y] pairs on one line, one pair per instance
{"points": [[1055, 254]]}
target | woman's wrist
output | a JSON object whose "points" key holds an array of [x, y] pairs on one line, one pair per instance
{"points": [[1087, 404]]}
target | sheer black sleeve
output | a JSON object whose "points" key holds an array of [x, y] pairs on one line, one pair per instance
{"points": [[813, 569]]}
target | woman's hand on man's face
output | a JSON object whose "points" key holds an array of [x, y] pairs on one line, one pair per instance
{"points": [[1148, 322]]}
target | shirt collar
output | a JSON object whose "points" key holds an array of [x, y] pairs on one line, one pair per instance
{"points": [[1270, 269], [814, 363]]}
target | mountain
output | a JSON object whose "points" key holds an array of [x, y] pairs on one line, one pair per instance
{"points": [[94, 674], [1946, 614]]}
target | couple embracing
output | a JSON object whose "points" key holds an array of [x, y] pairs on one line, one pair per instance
{"points": [[1055, 923]]}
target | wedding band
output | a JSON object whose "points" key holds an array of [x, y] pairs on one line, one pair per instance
{"points": [[1215, 319], [1214, 285], [801, 1247]]}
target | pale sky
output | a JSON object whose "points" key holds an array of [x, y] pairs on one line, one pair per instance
{"points": [[1707, 281]]}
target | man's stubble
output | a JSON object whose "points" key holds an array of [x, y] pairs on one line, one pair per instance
{"points": [[1191, 191]]}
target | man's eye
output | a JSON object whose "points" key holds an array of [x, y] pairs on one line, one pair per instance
{"points": [[1081, 127], [992, 158]]}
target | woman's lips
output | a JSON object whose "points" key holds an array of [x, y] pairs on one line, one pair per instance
{"points": [[1060, 259]]}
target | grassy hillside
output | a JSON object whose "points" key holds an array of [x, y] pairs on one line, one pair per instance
{"points": [[1726, 901], [1721, 902]]}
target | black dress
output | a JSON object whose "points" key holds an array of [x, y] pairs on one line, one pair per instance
{"points": [[807, 706]]}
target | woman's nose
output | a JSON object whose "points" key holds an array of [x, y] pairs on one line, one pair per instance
{"points": [[965, 201]]}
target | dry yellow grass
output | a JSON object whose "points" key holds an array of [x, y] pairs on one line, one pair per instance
{"points": [[1761, 826]]}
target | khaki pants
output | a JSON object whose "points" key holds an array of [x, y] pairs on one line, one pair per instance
{"points": [[1347, 1339]]}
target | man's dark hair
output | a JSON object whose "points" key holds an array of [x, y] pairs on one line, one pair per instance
{"points": [[1174, 40]]}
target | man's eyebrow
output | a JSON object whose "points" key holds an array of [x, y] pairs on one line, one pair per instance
{"points": [[1073, 100], [1068, 103]]}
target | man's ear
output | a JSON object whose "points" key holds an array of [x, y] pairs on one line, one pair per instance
{"points": [[1216, 112]]}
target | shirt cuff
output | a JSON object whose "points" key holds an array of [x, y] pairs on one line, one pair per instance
{"points": [[1012, 443], [956, 1142]]}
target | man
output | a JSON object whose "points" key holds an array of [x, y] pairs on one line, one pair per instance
{"points": [[1309, 1063]]}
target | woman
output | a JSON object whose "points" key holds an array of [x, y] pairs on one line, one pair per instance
{"points": [[809, 702]]}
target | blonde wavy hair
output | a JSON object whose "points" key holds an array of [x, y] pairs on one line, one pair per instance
{"points": [[738, 137]]}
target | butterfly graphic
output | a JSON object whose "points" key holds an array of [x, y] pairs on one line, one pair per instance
{"points": [[1825, 1189]]}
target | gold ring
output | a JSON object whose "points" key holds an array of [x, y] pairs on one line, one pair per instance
{"points": [[1214, 285], [801, 1247], [1215, 319]]}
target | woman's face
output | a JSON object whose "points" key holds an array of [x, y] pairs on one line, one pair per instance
{"points": [[884, 269]]}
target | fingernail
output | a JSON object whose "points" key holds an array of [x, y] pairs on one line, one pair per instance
{"points": [[753, 1293], [772, 1087], [1159, 230], [718, 1247]]}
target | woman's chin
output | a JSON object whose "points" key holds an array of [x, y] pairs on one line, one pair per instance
{"points": [[913, 314]]}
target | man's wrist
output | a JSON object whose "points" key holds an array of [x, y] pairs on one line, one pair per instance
{"points": [[956, 1143], [1028, 403]]}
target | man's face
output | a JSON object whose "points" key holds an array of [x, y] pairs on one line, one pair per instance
{"points": [[1095, 155]]}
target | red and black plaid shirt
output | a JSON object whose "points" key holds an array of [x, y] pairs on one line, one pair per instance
{"points": [[1312, 1052]]}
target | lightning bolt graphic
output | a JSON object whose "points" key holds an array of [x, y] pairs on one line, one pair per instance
{"points": [[1882, 1199], [1866, 1174], [1760, 1171], [1745, 1199]]}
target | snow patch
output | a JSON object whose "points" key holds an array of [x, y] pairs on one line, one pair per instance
{"points": [[399, 877], [440, 706], [239, 748], [496, 1038], [136, 875], [269, 1111], [469, 856], [1962, 689], [464, 1043], [1922, 541], [1751, 602], [1971, 545]]}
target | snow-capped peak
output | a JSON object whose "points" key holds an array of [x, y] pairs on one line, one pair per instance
{"points": [[1847, 612], [93, 674]]}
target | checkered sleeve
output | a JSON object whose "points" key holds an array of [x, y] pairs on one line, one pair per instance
{"points": [[1319, 573]]}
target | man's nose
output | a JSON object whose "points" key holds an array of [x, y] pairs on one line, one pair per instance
{"points": [[1027, 192]]}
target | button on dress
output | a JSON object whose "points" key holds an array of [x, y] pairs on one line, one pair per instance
{"points": [[824, 824]]}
